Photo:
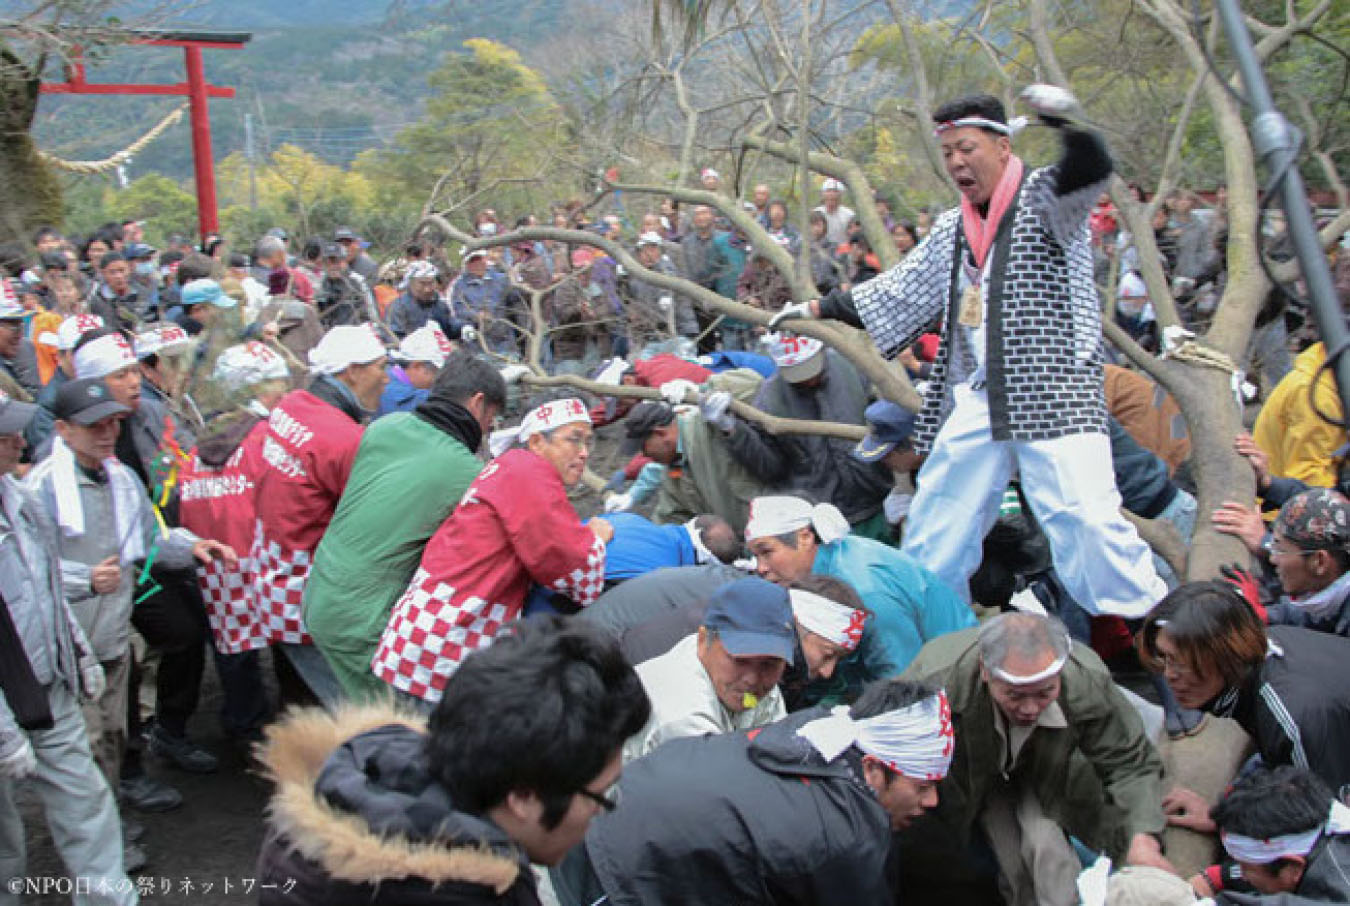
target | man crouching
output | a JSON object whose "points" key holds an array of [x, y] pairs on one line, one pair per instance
{"points": [[375, 806]]}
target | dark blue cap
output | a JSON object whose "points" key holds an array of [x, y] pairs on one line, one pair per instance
{"points": [[889, 424], [139, 250], [753, 618]]}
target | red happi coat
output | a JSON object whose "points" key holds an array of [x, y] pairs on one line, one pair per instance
{"points": [[514, 526], [307, 452], [220, 503]]}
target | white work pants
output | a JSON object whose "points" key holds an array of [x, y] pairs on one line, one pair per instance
{"points": [[1071, 488]]}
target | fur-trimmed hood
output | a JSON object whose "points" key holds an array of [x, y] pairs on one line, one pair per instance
{"points": [[354, 797]]}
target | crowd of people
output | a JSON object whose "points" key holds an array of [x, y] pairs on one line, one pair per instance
{"points": [[774, 667]]}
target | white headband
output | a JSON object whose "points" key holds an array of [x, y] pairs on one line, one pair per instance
{"points": [[100, 358], [248, 364], [1055, 667], [540, 420], [916, 741], [832, 621], [70, 331], [1045, 674], [165, 339], [779, 515], [1010, 128], [427, 343], [1263, 852], [344, 346]]}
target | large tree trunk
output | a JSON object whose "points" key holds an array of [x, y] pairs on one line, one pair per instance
{"points": [[31, 192], [1220, 474]]}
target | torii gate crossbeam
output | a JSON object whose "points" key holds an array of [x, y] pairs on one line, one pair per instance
{"points": [[196, 89]]}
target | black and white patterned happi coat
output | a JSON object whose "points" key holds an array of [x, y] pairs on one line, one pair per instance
{"points": [[1043, 353]]}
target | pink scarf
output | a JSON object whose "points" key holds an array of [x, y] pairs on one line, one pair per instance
{"points": [[980, 232]]}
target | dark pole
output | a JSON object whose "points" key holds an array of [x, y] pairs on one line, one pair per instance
{"points": [[1273, 140]]}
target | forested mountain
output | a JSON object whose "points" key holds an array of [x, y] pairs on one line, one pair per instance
{"points": [[334, 78]]}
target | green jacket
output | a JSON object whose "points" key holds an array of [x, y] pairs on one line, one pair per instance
{"points": [[1100, 778], [708, 480], [407, 478]]}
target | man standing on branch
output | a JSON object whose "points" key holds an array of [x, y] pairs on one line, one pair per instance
{"points": [[1018, 382]]}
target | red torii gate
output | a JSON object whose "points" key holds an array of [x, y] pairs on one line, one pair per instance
{"points": [[196, 89]]}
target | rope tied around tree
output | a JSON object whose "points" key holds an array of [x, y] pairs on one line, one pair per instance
{"points": [[91, 167], [1181, 345]]}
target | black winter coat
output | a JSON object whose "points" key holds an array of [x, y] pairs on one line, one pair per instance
{"points": [[747, 819], [358, 819]]}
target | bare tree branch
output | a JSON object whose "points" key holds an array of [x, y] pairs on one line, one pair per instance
{"points": [[771, 423]]}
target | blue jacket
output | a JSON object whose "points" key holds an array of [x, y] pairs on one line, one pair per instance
{"points": [[471, 296], [399, 395], [909, 605], [727, 359], [640, 546]]}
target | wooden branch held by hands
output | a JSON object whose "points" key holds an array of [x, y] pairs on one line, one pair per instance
{"points": [[773, 424]]}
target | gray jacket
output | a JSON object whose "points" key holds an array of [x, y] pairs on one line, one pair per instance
{"points": [[30, 578], [819, 466], [105, 619]]}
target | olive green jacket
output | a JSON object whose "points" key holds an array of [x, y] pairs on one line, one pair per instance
{"points": [[1100, 778]]}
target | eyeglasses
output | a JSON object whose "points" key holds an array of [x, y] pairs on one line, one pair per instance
{"points": [[580, 441], [607, 800], [1286, 552]]}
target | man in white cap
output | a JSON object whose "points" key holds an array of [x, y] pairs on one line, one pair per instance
{"points": [[50, 666], [791, 539], [801, 811], [1017, 387], [421, 303], [63, 341], [311, 440], [514, 528], [478, 297], [818, 384], [217, 492], [164, 351], [837, 216], [419, 358], [652, 310], [1046, 746]]}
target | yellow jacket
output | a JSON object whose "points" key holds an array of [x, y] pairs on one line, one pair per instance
{"points": [[1299, 443]]}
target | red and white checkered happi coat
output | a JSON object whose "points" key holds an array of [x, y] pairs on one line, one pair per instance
{"points": [[307, 452], [514, 527], [219, 503]]}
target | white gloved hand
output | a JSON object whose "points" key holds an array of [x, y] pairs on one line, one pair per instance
{"points": [[19, 764], [513, 373], [618, 503], [896, 505], [1050, 100], [795, 310], [468, 333], [93, 681], [674, 392], [665, 303], [715, 408]]}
